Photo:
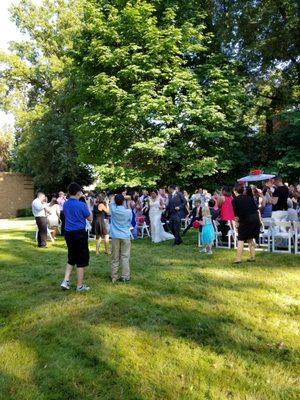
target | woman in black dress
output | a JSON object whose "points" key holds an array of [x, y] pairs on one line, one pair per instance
{"points": [[99, 229], [247, 220]]}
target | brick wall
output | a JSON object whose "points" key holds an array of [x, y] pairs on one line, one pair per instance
{"points": [[16, 191]]}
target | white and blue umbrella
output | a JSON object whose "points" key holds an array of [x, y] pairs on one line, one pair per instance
{"points": [[256, 178]]}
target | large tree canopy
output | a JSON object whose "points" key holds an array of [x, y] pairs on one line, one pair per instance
{"points": [[150, 92]]}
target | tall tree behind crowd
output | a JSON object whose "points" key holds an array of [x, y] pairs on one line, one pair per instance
{"points": [[152, 91]]}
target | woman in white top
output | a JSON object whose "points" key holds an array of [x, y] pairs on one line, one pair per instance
{"points": [[156, 205], [53, 215]]}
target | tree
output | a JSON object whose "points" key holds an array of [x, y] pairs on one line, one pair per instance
{"points": [[150, 92], [6, 145], [158, 105], [34, 87]]}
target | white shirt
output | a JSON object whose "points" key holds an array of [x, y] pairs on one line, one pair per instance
{"points": [[38, 208]]}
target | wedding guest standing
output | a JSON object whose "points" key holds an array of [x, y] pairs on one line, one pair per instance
{"points": [[61, 201], [99, 228], [120, 238], [134, 226], [76, 236], [53, 215], [247, 222], [226, 211], [39, 208], [279, 200], [266, 211]]}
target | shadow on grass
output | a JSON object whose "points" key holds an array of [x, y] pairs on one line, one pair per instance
{"points": [[73, 359], [75, 363]]}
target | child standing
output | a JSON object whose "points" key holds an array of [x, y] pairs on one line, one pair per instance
{"points": [[207, 234]]}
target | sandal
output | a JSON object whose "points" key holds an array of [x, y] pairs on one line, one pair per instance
{"points": [[251, 260], [237, 262]]}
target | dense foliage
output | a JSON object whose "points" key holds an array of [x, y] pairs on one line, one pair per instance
{"points": [[6, 146], [151, 92]]}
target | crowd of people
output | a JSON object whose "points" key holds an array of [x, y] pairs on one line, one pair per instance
{"points": [[105, 216]]}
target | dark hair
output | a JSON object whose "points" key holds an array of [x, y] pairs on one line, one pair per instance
{"points": [[239, 189], [155, 191], [82, 199], [227, 191], [211, 203], [74, 188], [172, 187], [277, 178], [100, 199], [119, 199], [264, 190], [249, 191]]}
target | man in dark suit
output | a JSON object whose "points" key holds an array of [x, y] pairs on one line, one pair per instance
{"points": [[176, 203]]}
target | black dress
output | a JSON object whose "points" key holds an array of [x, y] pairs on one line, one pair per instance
{"points": [[99, 225], [245, 209]]}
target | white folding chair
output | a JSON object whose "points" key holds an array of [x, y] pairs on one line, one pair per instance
{"points": [[296, 226], [143, 228], [282, 234], [131, 235], [218, 236], [184, 223], [266, 233]]}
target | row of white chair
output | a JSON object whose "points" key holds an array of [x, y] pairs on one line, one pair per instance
{"points": [[275, 236], [280, 236]]}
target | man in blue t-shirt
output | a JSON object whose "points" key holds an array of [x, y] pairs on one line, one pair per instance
{"points": [[76, 213]]}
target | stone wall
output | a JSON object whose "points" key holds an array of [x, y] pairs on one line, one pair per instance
{"points": [[16, 192]]}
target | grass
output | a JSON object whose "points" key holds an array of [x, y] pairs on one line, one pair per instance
{"points": [[188, 326]]}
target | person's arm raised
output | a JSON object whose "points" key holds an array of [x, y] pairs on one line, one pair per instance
{"points": [[103, 207]]}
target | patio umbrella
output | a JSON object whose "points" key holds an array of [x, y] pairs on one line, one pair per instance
{"points": [[256, 178]]}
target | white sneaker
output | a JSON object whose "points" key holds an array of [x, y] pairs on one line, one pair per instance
{"points": [[203, 250], [65, 285], [209, 252], [82, 288]]}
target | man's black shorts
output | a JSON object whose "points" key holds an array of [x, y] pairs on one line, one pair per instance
{"points": [[78, 247]]}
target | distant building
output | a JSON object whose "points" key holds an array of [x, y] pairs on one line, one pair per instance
{"points": [[16, 192]]}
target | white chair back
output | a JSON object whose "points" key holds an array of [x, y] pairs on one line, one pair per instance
{"points": [[296, 226], [282, 234]]}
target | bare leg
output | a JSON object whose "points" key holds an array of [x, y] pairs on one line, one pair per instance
{"points": [[98, 244], [69, 269], [240, 248], [80, 273], [251, 249], [106, 244]]}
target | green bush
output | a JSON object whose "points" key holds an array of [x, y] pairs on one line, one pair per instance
{"points": [[24, 212]]}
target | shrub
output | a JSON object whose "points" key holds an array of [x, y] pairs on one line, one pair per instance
{"points": [[24, 212]]}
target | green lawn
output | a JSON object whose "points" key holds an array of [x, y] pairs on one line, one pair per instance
{"points": [[187, 327]]}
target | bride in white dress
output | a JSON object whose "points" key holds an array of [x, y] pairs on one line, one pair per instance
{"points": [[156, 205]]}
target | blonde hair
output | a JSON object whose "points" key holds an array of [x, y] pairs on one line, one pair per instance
{"points": [[206, 211]]}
